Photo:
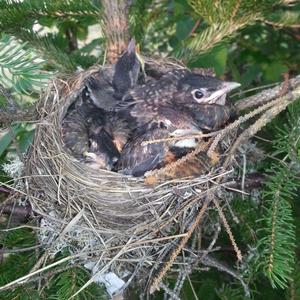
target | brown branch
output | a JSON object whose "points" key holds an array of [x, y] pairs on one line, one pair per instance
{"points": [[116, 28], [267, 95], [228, 229], [11, 112], [18, 211], [195, 27], [279, 105], [280, 25], [71, 38]]}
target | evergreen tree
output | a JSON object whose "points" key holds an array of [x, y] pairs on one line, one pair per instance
{"points": [[253, 42]]}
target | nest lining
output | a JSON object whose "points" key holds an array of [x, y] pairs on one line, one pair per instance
{"points": [[130, 224]]}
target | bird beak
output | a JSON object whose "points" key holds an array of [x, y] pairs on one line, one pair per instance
{"points": [[135, 49], [229, 86], [131, 48], [219, 96]]}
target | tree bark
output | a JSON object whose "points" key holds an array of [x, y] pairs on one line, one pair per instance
{"points": [[116, 27]]}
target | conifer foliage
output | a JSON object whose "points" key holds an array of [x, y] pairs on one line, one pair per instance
{"points": [[252, 42]]}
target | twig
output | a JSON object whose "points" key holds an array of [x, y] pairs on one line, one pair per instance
{"points": [[285, 84], [271, 109], [19, 250], [25, 278], [21, 211], [178, 138], [228, 230], [180, 281], [280, 25], [194, 28], [157, 280], [266, 95], [20, 227], [169, 292], [11, 112], [4, 190], [279, 105], [211, 262], [192, 287]]}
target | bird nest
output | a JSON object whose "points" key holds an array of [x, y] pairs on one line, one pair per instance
{"points": [[137, 227]]}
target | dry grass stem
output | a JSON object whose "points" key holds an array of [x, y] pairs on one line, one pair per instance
{"points": [[175, 253]]}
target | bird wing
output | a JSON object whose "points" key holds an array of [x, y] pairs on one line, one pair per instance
{"points": [[143, 101], [75, 133], [117, 126], [210, 117], [138, 158]]}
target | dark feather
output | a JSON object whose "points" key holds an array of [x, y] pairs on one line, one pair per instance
{"points": [[136, 158], [75, 133], [210, 117], [101, 93]]}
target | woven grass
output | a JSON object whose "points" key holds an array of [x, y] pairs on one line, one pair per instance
{"points": [[121, 222]]}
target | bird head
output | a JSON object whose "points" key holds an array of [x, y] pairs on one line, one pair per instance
{"points": [[201, 89], [127, 69], [99, 160]]}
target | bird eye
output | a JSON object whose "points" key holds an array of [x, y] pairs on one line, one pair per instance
{"points": [[197, 94]]}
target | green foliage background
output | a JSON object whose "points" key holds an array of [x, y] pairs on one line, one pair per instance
{"points": [[251, 42]]}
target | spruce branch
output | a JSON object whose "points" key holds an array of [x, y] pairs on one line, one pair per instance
{"points": [[47, 47], [20, 69], [213, 35], [278, 231], [222, 19], [22, 14], [138, 17]]}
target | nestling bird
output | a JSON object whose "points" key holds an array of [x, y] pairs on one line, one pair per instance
{"points": [[75, 132], [100, 90], [92, 130], [179, 104], [127, 70], [107, 136], [179, 89], [109, 133], [109, 85]]}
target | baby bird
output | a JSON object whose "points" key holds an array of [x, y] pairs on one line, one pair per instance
{"points": [[127, 70], [107, 136], [92, 129], [181, 103]]}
